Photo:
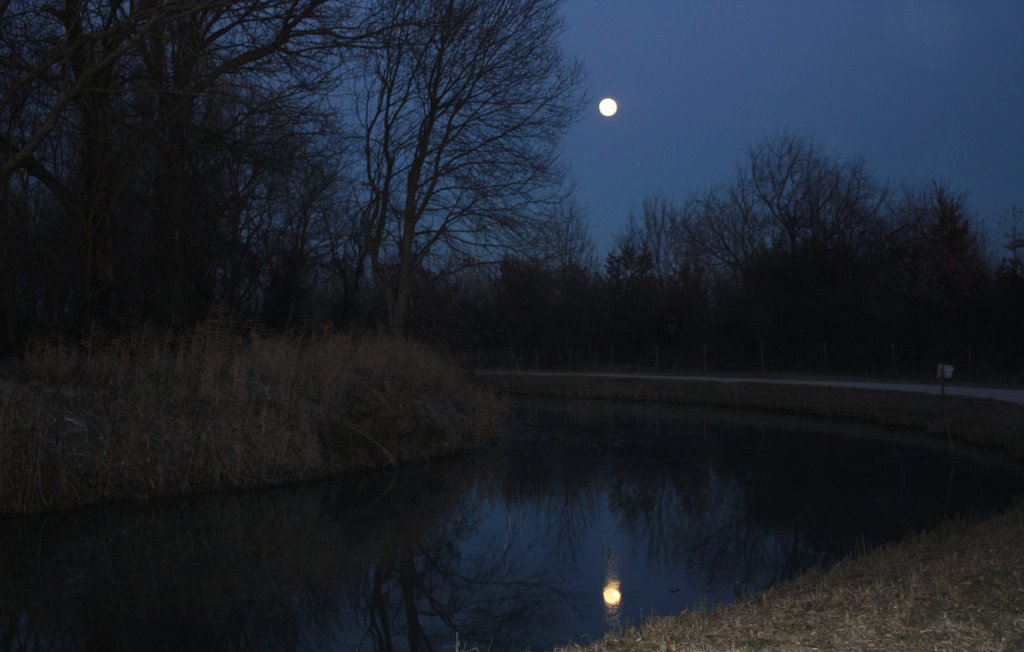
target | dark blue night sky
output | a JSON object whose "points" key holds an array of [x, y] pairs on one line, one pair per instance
{"points": [[921, 89]]}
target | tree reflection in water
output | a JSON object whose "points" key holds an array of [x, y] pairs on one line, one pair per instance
{"points": [[424, 591], [588, 516]]}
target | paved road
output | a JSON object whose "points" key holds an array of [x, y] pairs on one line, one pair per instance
{"points": [[1010, 395]]}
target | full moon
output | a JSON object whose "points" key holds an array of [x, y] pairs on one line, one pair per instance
{"points": [[608, 107]]}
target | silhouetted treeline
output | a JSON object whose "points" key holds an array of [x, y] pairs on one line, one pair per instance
{"points": [[803, 258], [394, 165]]}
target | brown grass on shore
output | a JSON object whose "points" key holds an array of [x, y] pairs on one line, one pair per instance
{"points": [[147, 414], [960, 587]]}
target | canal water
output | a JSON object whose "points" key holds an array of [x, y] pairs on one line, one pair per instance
{"points": [[588, 516]]}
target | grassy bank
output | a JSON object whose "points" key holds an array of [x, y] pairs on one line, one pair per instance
{"points": [[151, 415], [960, 587]]}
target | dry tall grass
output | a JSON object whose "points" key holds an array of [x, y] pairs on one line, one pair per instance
{"points": [[149, 414], [960, 587]]}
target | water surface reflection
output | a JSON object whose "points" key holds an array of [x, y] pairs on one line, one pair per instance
{"points": [[587, 516]]}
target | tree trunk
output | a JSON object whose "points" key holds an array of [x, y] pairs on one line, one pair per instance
{"points": [[398, 302], [407, 576], [11, 339], [7, 269], [99, 250], [398, 306], [176, 220]]}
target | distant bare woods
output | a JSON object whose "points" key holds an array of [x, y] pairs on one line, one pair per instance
{"points": [[376, 164], [803, 253]]}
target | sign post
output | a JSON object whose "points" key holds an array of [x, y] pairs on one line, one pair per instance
{"points": [[943, 372]]}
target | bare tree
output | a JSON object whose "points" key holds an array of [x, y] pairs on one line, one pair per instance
{"points": [[566, 243], [808, 197], [658, 230], [57, 73], [1011, 226], [730, 230], [788, 197], [459, 111], [93, 91], [52, 54], [263, 65]]}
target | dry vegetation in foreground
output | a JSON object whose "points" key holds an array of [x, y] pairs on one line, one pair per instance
{"points": [[960, 587], [146, 415]]}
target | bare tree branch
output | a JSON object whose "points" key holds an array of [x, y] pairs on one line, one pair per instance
{"points": [[460, 112]]}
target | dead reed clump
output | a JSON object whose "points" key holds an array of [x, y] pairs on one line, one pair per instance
{"points": [[409, 403], [147, 414]]}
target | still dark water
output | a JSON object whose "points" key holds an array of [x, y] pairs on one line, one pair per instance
{"points": [[586, 517]]}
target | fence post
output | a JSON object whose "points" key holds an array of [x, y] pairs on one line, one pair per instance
{"points": [[611, 356], [536, 359], [704, 352], [970, 362], [762, 356], [824, 347], [893, 349], [655, 357]]}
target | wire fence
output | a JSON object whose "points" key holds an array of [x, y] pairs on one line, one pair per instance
{"points": [[971, 362]]}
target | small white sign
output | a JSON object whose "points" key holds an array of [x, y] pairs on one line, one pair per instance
{"points": [[944, 371]]}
